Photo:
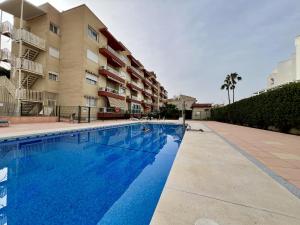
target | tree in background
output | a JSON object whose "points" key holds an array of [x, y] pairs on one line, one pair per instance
{"points": [[234, 78], [226, 86], [169, 111]]}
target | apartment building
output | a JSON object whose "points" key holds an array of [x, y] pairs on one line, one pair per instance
{"points": [[286, 71], [70, 58]]}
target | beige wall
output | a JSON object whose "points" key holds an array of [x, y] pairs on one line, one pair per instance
{"points": [[72, 43], [201, 113]]}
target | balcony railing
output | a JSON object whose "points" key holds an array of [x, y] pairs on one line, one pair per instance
{"points": [[30, 95], [6, 28], [136, 84], [29, 66], [30, 38], [111, 90], [118, 55], [137, 71], [148, 91], [5, 55], [137, 98], [114, 71], [110, 110]]}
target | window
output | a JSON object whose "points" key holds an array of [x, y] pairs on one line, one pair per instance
{"points": [[54, 28], [92, 33], [92, 56], [53, 76], [91, 78], [54, 52], [90, 101], [135, 108]]}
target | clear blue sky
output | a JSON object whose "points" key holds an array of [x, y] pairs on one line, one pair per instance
{"points": [[193, 44]]}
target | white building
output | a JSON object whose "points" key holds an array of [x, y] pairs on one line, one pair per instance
{"points": [[287, 71]]}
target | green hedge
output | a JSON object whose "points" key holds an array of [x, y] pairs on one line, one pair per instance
{"points": [[279, 109]]}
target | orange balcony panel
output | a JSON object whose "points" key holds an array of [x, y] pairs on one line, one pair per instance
{"points": [[112, 59], [110, 94], [111, 76]]}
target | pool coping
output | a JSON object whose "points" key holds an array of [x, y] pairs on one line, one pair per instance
{"points": [[62, 131]]}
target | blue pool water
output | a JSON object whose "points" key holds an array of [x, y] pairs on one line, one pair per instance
{"points": [[104, 176]]}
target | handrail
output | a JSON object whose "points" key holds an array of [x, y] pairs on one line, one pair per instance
{"points": [[117, 54], [111, 90], [31, 95], [28, 37], [29, 65], [114, 71], [137, 71], [5, 82]]}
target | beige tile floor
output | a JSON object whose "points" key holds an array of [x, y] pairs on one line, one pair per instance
{"points": [[279, 152], [213, 182]]}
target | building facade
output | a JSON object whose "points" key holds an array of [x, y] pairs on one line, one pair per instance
{"points": [[201, 111], [286, 71], [70, 58]]}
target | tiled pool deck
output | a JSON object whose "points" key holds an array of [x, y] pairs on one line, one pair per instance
{"points": [[213, 180]]}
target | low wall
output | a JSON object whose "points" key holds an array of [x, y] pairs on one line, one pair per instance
{"points": [[29, 119]]}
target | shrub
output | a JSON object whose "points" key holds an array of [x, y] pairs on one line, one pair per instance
{"points": [[279, 108], [169, 111]]}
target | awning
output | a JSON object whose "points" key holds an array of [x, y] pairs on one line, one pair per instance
{"points": [[13, 7], [113, 102]]}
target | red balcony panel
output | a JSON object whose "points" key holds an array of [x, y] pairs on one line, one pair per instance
{"points": [[134, 87], [145, 93], [111, 115], [110, 94], [134, 61], [112, 59], [147, 83], [111, 75]]}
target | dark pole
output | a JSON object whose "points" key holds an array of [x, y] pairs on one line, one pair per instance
{"points": [[79, 114], [89, 116], [58, 113]]}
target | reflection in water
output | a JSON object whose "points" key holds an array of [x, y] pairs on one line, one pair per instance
{"points": [[76, 178]]}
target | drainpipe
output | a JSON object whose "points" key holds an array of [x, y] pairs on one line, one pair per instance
{"points": [[20, 54]]}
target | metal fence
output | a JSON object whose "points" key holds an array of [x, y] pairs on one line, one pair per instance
{"points": [[78, 114]]}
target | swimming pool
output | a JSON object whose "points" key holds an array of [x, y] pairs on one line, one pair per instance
{"points": [[101, 176]]}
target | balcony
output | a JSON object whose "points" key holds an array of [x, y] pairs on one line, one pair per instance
{"points": [[29, 66], [147, 82], [133, 98], [112, 74], [28, 38], [5, 55], [112, 56], [135, 86], [110, 113], [110, 92], [147, 103], [32, 96], [146, 93], [134, 72]]}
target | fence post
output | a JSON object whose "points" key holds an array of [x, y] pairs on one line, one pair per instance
{"points": [[58, 113], [79, 114], [21, 109], [89, 115]]}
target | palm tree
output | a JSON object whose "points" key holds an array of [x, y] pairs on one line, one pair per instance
{"points": [[226, 86], [234, 78]]}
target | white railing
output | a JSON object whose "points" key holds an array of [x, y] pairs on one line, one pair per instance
{"points": [[136, 98], [5, 82], [6, 27], [30, 95], [29, 65], [114, 71], [137, 71], [30, 38], [5, 55], [147, 101], [116, 53], [148, 91], [137, 84], [111, 90]]}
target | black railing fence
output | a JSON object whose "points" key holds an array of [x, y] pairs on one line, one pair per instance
{"points": [[79, 114]]}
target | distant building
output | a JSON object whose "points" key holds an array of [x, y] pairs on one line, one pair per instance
{"points": [[286, 71], [188, 102], [201, 111]]}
